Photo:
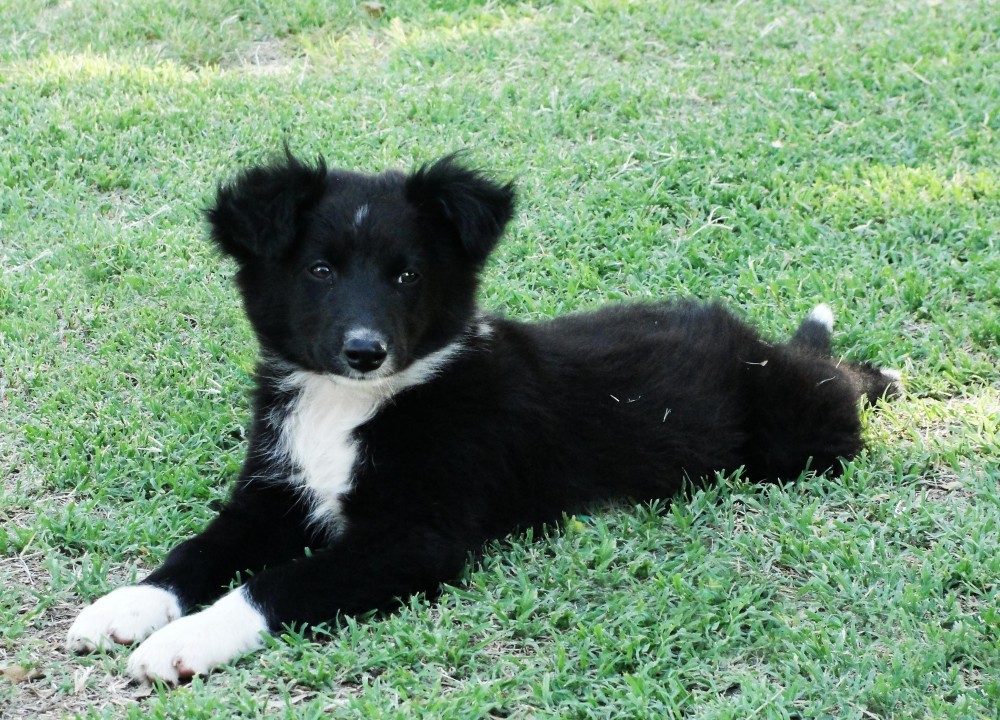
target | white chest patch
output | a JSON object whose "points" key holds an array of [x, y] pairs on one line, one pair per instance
{"points": [[318, 437], [317, 434]]}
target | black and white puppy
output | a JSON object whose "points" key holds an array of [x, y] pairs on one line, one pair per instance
{"points": [[397, 427]]}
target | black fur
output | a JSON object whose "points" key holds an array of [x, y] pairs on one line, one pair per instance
{"points": [[521, 423]]}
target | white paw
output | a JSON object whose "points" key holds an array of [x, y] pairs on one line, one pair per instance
{"points": [[126, 615], [197, 643]]}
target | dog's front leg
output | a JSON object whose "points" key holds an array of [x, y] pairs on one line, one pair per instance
{"points": [[366, 569], [260, 524]]}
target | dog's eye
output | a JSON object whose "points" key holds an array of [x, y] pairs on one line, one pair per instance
{"points": [[408, 277], [321, 271]]}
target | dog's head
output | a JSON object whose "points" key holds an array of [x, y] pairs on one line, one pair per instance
{"points": [[359, 275]]}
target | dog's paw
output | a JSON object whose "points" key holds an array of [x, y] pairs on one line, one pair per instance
{"points": [[196, 644], [125, 616]]}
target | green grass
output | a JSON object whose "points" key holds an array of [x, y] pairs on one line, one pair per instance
{"points": [[769, 154]]}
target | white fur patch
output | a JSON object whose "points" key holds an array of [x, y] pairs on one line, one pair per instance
{"points": [[126, 615], [195, 644], [425, 368], [823, 315], [363, 334], [895, 378], [360, 214], [484, 328], [317, 437]]}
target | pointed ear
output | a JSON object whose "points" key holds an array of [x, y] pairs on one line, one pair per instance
{"points": [[258, 214], [476, 207]]}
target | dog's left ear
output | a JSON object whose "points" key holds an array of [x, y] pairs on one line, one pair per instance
{"points": [[476, 207]]}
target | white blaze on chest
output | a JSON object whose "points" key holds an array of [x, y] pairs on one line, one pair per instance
{"points": [[317, 434], [318, 437]]}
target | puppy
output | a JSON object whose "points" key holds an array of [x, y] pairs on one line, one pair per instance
{"points": [[397, 427]]}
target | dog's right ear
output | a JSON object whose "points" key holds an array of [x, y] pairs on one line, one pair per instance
{"points": [[258, 214]]}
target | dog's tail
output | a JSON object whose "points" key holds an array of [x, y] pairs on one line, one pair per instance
{"points": [[814, 335], [816, 331]]}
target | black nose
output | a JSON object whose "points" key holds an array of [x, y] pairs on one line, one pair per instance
{"points": [[365, 353]]}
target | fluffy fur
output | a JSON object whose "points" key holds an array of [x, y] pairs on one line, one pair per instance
{"points": [[396, 427]]}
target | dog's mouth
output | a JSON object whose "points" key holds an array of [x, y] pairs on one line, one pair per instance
{"points": [[383, 372], [362, 375], [383, 383]]}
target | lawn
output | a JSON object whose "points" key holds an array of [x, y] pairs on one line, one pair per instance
{"points": [[768, 154]]}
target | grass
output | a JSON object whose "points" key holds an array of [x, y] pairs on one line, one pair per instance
{"points": [[770, 154]]}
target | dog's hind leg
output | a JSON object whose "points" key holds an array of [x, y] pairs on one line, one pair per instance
{"points": [[804, 406], [804, 414], [814, 335]]}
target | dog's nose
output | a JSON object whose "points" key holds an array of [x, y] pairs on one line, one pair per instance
{"points": [[365, 353]]}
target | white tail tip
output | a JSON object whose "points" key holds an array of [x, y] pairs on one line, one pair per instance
{"points": [[823, 315]]}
